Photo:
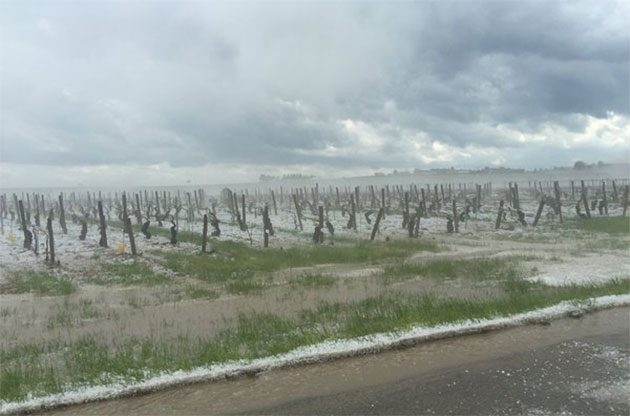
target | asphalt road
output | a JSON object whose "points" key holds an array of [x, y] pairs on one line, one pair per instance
{"points": [[570, 367], [588, 376]]}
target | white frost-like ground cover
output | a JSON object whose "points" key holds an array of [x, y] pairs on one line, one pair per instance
{"points": [[314, 353], [591, 269]]}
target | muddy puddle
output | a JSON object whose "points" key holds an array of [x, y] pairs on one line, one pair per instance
{"points": [[274, 387]]}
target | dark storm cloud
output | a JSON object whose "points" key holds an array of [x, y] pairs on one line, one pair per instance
{"points": [[196, 83]]}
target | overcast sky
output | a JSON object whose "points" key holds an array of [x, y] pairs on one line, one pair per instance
{"points": [[97, 92]]}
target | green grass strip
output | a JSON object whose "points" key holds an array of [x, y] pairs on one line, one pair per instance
{"points": [[236, 260], [39, 370], [40, 283]]}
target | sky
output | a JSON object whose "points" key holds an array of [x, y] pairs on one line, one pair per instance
{"points": [[158, 92]]}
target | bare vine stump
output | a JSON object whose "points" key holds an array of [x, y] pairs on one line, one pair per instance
{"points": [[132, 239], [244, 208], [83, 230], [298, 212], [376, 224], [499, 216], [275, 206], [353, 211], [541, 204], [625, 200], [103, 225], [265, 230], [556, 188], [28, 236], [383, 200], [37, 213], [406, 213], [237, 211], [62, 215], [478, 197], [138, 210], [204, 235], [604, 199], [455, 217], [51, 239], [585, 201]]}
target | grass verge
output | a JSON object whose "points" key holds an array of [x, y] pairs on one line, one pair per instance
{"points": [[36, 370]]}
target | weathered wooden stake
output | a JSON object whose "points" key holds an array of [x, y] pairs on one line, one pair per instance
{"points": [[625, 199]]}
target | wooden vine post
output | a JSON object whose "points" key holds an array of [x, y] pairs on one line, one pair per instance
{"points": [[625, 200]]}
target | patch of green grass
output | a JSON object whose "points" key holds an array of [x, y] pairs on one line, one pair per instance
{"points": [[37, 370], [40, 283], [198, 292], [313, 280], [239, 261], [601, 244], [497, 268], [135, 273], [244, 286], [610, 225]]}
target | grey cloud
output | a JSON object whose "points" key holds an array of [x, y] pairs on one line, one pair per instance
{"points": [[195, 83]]}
